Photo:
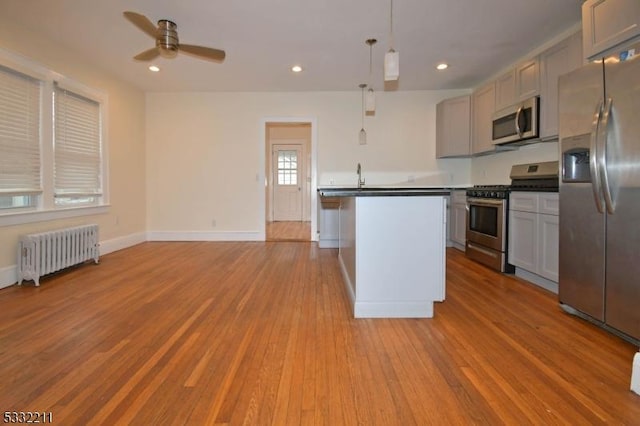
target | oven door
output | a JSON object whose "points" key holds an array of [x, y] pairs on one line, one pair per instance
{"points": [[486, 222]]}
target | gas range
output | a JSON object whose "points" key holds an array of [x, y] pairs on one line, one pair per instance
{"points": [[488, 212], [500, 192]]}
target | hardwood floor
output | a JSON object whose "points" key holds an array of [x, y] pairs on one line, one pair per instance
{"points": [[262, 333], [289, 231]]}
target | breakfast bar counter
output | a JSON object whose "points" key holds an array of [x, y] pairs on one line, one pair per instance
{"points": [[392, 249]]}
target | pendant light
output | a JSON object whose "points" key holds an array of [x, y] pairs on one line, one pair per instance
{"points": [[362, 137], [370, 100], [391, 58]]}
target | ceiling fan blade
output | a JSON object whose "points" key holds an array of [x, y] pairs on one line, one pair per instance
{"points": [[148, 55], [141, 22], [215, 55]]}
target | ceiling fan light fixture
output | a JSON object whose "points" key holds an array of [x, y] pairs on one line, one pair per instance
{"points": [[154, 68], [442, 66], [167, 44], [296, 68]]}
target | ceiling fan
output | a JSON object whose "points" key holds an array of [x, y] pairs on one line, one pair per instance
{"points": [[167, 45]]}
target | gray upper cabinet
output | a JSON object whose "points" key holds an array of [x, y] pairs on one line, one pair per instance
{"points": [[559, 59], [453, 136], [483, 106], [608, 23], [517, 84]]}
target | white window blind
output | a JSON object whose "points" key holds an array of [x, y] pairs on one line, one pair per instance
{"points": [[20, 97], [77, 148]]}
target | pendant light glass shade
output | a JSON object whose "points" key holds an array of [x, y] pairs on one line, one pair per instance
{"points": [[370, 101], [392, 58], [362, 136], [391, 65]]}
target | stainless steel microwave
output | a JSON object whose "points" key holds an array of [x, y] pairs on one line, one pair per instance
{"points": [[516, 123]]}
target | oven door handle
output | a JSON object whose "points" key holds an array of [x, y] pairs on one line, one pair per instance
{"points": [[484, 202]]}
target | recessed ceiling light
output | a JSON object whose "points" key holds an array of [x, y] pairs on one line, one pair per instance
{"points": [[442, 66], [154, 68], [296, 68]]}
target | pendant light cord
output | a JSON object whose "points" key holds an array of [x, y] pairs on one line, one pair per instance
{"points": [[391, 27], [363, 106], [370, 61]]}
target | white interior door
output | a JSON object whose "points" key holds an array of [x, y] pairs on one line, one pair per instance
{"points": [[287, 182]]}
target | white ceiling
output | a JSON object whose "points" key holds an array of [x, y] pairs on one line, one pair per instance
{"points": [[264, 38]]}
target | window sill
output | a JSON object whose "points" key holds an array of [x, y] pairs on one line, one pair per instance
{"points": [[19, 218]]}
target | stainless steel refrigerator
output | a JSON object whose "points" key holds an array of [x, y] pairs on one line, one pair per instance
{"points": [[599, 126]]}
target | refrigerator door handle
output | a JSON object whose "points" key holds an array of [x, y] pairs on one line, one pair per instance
{"points": [[603, 136], [593, 164]]}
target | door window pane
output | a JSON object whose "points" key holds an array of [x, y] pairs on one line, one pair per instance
{"points": [[287, 168]]}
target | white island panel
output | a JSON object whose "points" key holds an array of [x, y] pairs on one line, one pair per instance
{"points": [[392, 251]]}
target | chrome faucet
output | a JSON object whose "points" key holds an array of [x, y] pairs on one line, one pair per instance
{"points": [[359, 172]]}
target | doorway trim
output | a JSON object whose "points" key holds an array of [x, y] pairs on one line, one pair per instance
{"points": [[262, 202]]}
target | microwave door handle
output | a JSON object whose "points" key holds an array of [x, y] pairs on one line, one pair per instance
{"points": [[603, 142], [518, 128], [593, 164]]}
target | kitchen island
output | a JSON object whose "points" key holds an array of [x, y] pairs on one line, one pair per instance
{"points": [[392, 249]]}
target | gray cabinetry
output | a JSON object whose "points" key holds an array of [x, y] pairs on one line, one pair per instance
{"points": [[559, 59], [517, 84], [458, 219], [483, 100], [453, 136], [608, 23], [534, 236]]}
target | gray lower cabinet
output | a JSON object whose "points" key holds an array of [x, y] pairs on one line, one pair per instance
{"points": [[534, 233], [458, 219]]}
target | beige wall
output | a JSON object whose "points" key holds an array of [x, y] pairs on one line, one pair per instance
{"points": [[126, 142], [205, 150], [495, 168], [283, 133]]}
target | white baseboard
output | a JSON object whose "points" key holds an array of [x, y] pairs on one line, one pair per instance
{"points": [[119, 243], [421, 309], [329, 243], [9, 274], [537, 280], [204, 236]]}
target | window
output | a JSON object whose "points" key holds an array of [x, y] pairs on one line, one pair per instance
{"points": [[52, 144], [76, 148], [287, 168], [20, 98]]}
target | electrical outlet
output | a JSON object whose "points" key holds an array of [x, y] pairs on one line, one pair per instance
{"points": [[213, 223], [411, 178]]}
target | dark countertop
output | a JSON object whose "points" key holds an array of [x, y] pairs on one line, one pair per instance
{"points": [[383, 191]]}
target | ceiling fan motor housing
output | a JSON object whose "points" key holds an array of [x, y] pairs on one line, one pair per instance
{"points": [[167, 38]]}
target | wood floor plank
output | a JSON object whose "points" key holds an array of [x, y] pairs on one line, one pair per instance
{"points": [[263, 333]]}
